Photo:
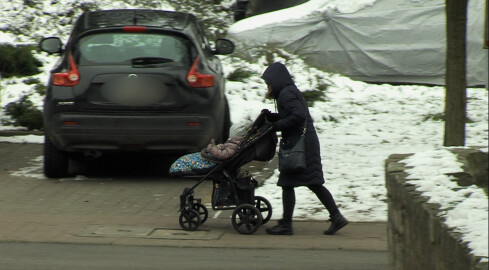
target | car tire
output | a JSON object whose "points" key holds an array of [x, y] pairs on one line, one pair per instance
{"points": [[55, 162]]}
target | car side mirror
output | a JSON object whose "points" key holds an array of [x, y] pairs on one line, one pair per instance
{"points": [[51, 45], [224, 46]]}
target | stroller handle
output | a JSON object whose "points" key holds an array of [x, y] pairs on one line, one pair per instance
{"points": [[259, 122]]}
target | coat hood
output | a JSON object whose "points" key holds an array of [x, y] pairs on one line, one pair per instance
{"points": [[277, 77]]}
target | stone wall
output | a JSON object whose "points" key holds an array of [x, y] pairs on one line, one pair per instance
{"points": [[417, 237]]}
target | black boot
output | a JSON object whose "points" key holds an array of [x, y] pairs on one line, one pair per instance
{"points": [[283, 228], [338, 221]]}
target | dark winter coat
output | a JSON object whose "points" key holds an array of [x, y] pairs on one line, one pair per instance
{"points": [[293, 111]]}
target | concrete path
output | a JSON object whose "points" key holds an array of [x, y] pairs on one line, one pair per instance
{"points": [[137, 209]]}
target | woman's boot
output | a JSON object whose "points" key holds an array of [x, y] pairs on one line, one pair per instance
{"points": [[283, 228], [338, 221]]}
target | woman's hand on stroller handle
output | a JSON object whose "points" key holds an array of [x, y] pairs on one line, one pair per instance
{"points": [[270, 117], [266, 112], [267, 118]]}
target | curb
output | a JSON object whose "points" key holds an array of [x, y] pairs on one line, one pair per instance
{"points": [[9, 133]]}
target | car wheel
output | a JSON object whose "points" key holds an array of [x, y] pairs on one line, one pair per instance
{"points": [[55, 161]]}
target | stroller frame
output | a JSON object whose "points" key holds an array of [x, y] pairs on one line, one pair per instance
{"points": [[249, 211]]}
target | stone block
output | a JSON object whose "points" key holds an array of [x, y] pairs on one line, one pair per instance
{"points": [[417, 235]]}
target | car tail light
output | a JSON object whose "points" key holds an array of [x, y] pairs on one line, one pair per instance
{"points": [[197, 79], [68, 78], [71, 123], [193, 124], [137, 29]]}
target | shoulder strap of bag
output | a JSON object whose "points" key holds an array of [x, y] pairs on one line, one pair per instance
{"points": [[306, 110]]}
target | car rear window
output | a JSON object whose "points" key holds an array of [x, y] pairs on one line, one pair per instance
{"points": [[120, 48]]}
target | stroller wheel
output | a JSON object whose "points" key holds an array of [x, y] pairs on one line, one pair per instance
{"points": [[264, 206], [202, 210], [246, 219], [189, 219]]}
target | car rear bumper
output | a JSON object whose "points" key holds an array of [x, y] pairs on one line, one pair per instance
{"points": [[163, 133]]}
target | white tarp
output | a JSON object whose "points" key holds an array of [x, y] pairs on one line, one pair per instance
{"points": [[394, 41]]}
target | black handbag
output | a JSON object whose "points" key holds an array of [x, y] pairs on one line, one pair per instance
{"points": [[292, 157]]}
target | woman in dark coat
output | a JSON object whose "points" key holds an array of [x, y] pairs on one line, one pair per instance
{"points": [[290, 119]]}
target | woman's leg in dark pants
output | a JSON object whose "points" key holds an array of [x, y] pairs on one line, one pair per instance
{"points": [[288, 202], [326, 198], [284, 226], [337, 220]]}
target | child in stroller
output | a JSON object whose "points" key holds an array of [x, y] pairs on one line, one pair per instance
{"points": [[233, 190]]}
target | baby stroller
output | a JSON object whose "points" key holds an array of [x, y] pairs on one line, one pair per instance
{"points": [[233, 190]]}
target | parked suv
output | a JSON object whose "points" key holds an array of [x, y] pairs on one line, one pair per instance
{"points": [[133, 80]]}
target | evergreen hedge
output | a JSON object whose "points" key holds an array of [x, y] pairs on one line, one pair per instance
{"points": [[18, 61], [24, 114]]}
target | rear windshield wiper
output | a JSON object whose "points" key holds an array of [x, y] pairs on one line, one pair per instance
{"points": [[149, 61]]}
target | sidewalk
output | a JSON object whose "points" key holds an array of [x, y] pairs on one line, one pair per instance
{"points": [[130, 210], [165, 231]]}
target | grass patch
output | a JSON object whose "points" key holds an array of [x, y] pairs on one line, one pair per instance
{"points": [[31, 81], [313, 96], [240, 75], [434, 117], [40, 89], [441, 117], [23, 113]]}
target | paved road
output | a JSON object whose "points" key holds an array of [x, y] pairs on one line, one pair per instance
{"points": [[125, 204], [27, 256]]}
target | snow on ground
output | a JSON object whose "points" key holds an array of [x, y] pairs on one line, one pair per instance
{"points": [[23, 139], [359, 125]]}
